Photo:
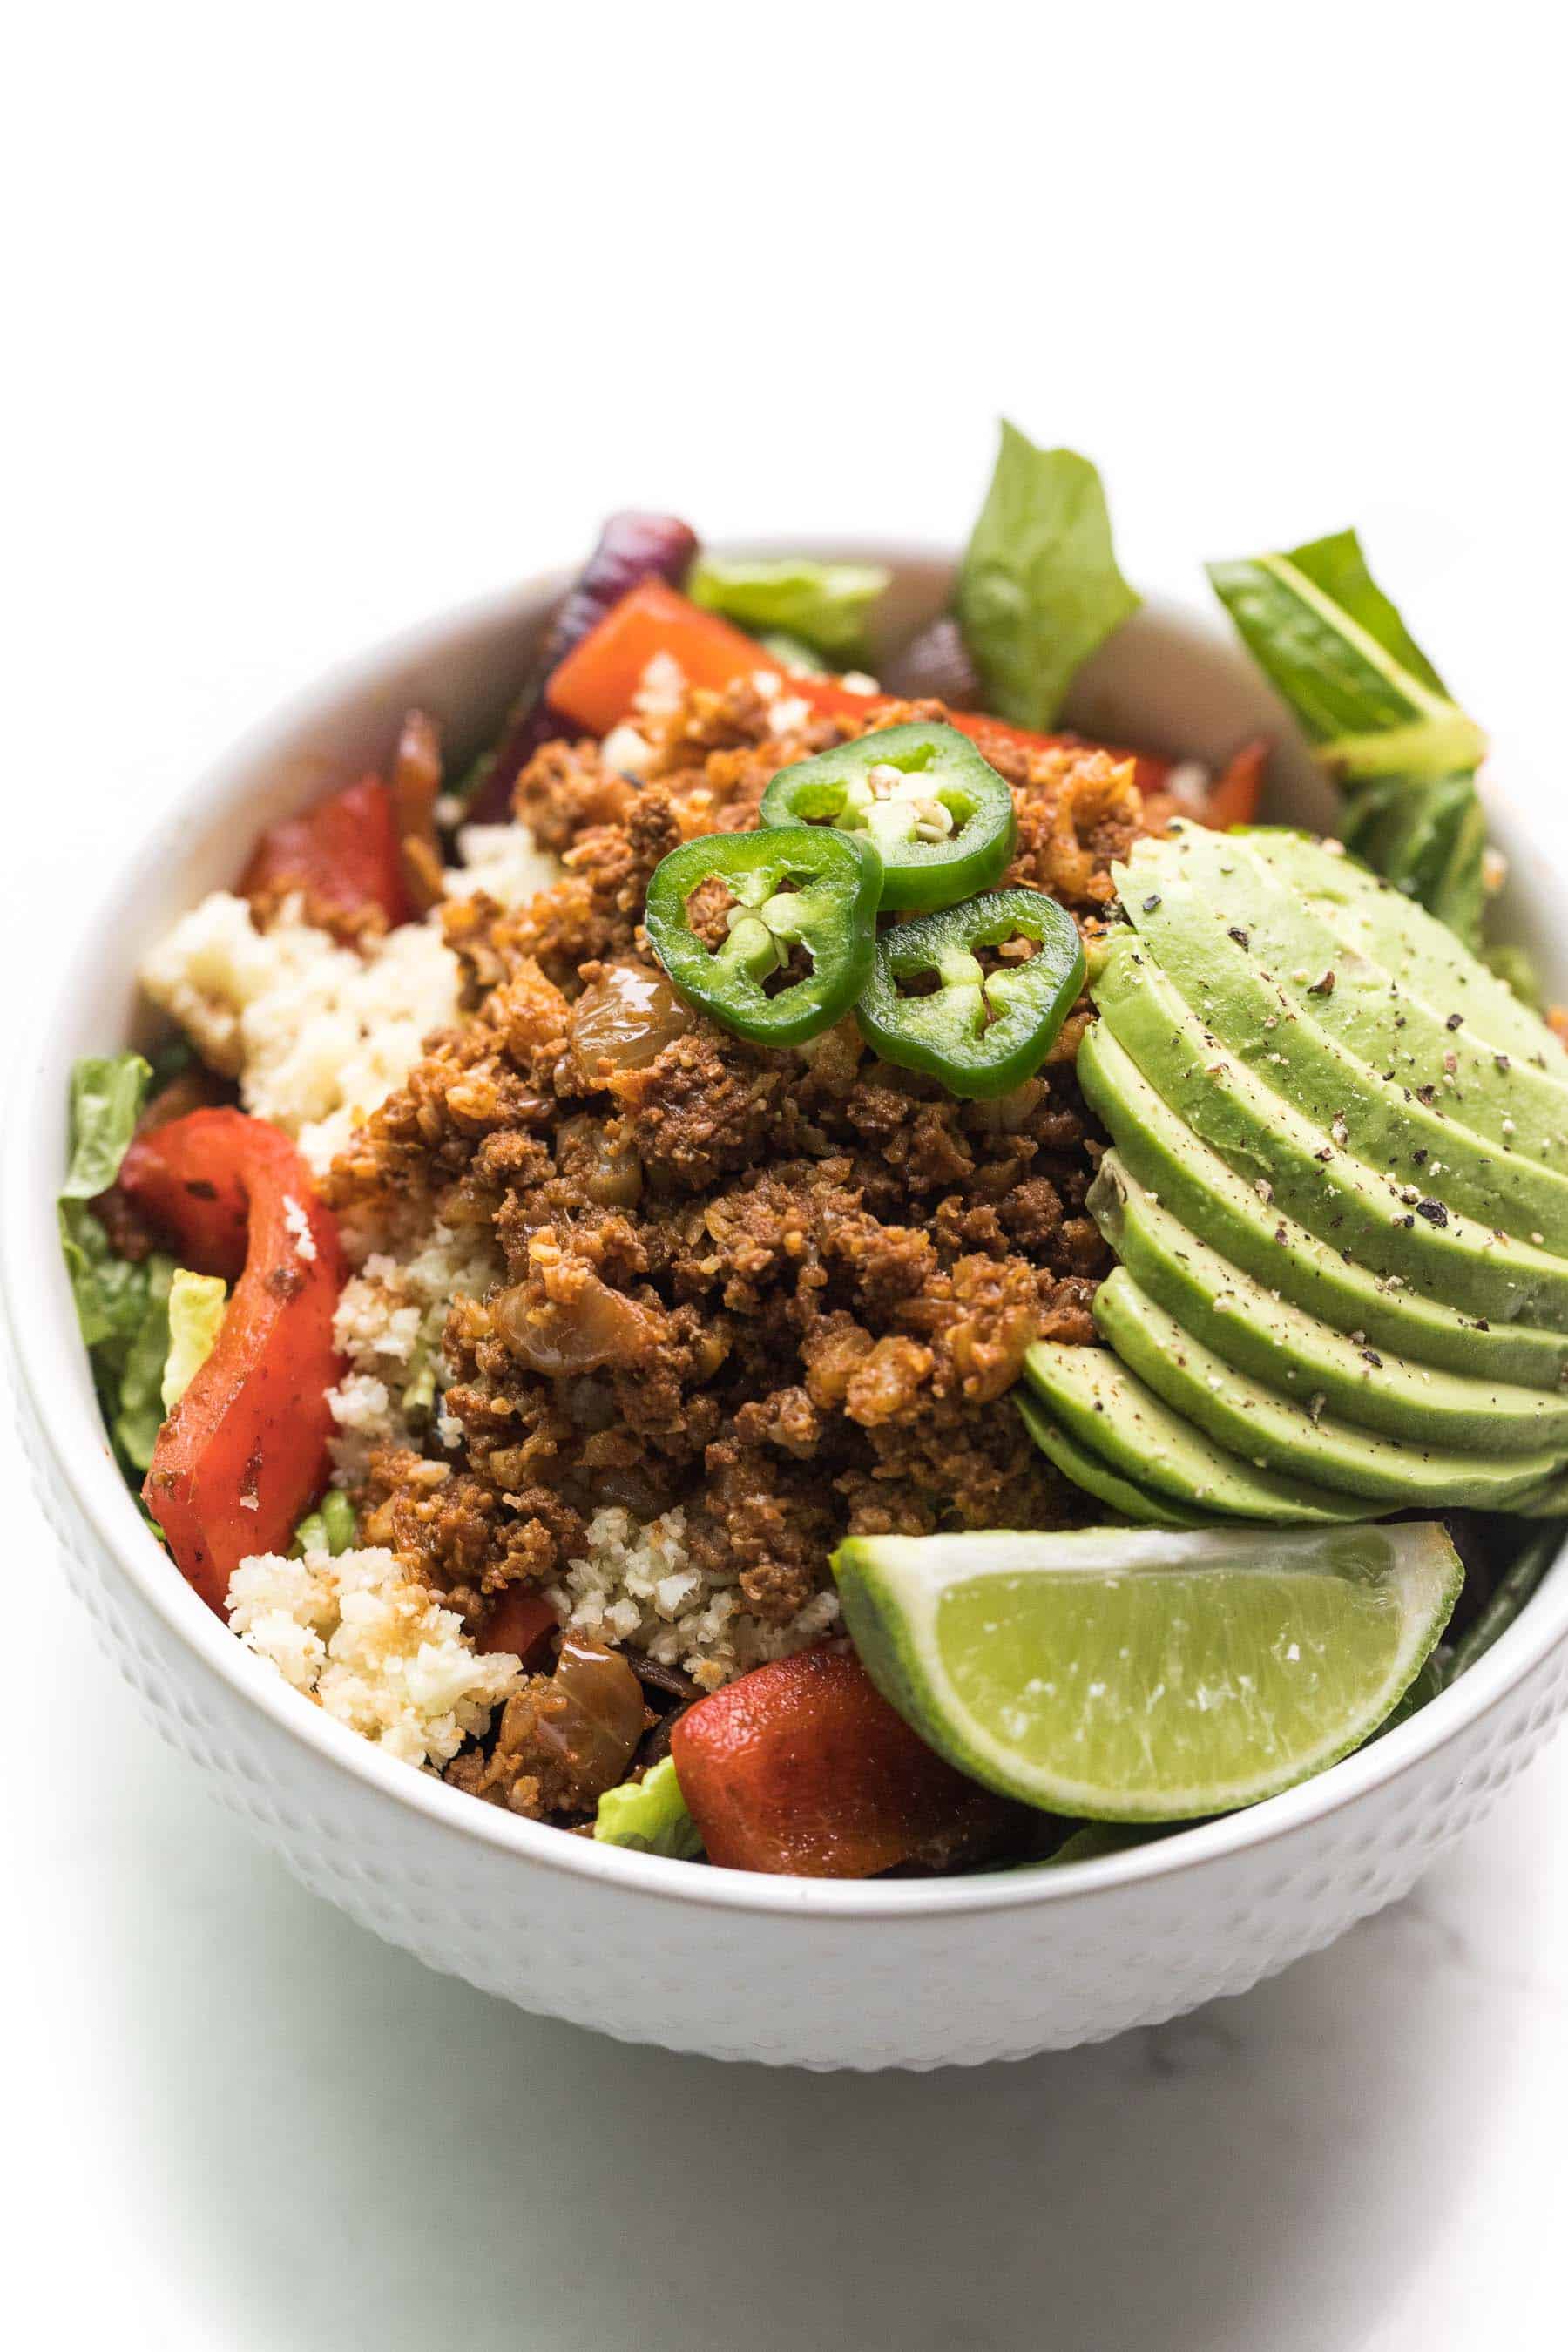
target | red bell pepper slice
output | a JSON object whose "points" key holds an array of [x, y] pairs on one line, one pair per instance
{"points": [[1234, 795], [803, 1768], [596, 682], [244, 1454], [342, 855], [594, 686]]}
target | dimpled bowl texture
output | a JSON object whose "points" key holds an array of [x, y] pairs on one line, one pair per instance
{"points": [[789, 1971]]}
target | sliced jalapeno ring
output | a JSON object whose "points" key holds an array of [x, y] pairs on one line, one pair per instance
{"points": [[982, 1032], [792, 885], [941, 816]]}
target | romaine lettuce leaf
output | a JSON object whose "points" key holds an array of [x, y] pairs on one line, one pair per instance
{"points": [[111, 1293], [120, 1305], [649, 1815], [1315, 619], [1039, 588], [138, 1415], [828, 605], [331, 1526], [1382, 722], [196, 1302]]}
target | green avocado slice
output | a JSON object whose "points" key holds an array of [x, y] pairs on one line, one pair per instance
{"points": [[1096, 1478], [1421, 954], [1258, 1332], [1171, 1161], [1116, 1417], [1289, 1439], [1312, 1173], [1273, 1027], [1276, 888]]}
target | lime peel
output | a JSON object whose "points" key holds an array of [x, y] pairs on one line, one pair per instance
{"points": [[1142, 1674]]}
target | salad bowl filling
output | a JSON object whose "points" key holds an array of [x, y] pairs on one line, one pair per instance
{"points": [[801, 1270]]}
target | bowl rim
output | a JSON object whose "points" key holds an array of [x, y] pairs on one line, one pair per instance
{"points": [[48, 1373]]}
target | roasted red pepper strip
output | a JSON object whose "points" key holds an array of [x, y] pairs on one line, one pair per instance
{"points": [[596, 683], [803, 1768], [244, 1454], [342, 855], [1234, 795]]}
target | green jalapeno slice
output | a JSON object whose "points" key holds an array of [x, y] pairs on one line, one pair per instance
{"points": [[982, 1032], [939, 815], [792, 887]]}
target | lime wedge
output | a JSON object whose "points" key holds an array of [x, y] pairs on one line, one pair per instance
{"points": [[1142, 1674]]}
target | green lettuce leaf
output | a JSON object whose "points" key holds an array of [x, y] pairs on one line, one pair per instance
{"points": [[106, 1092], [139, 1414], [122, 1306], [196, 1302], [331, 1526], [650, 1815], [1382, 722], [1039, 588], [111, 1293], [828, 605], [1317, 622]]}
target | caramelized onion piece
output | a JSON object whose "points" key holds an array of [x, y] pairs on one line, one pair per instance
{"points": [[626, 1019], [600, 1159], [601, 1715], [564, 1319]]}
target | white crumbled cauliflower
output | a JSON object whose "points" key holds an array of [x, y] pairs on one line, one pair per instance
{"points": [[502, 861], [637, 1587], [372, 1648], [389, 1316], [317, 1034]]}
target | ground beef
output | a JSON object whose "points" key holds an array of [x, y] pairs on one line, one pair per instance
{"points": [[787, 1291]]}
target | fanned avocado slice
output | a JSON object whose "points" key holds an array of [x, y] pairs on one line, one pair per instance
{"points": [[1270, 1022], [1421, 954], [1171, 1162], [1291, 895], [1242, 1414], [1311, 1173], [1116, 1417], [1097, 1478], [1300, 1357]]}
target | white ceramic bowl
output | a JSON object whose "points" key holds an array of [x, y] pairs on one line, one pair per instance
{"points": [[787, 1971]]}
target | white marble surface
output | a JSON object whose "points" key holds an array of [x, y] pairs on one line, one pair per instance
{"points": [[329, 326]]}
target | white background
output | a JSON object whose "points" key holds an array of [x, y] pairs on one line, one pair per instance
{"points": [[324, 317]]}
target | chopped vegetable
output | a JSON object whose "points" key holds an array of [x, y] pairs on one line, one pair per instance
{"points": [[792, 653], [982, 1032], [1381, 719], [196, 1302], [801, 1767], [120, 1304], [245, 1448], [139, 1415], [631, 548], [1233, 798], [1039, 588], [939, 815], [650, 1815], [330, 1527], [790, 887], [935, 661], [828, 605], [521, 1623], [342, 855], [1539, 1548], [596, 684]]}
